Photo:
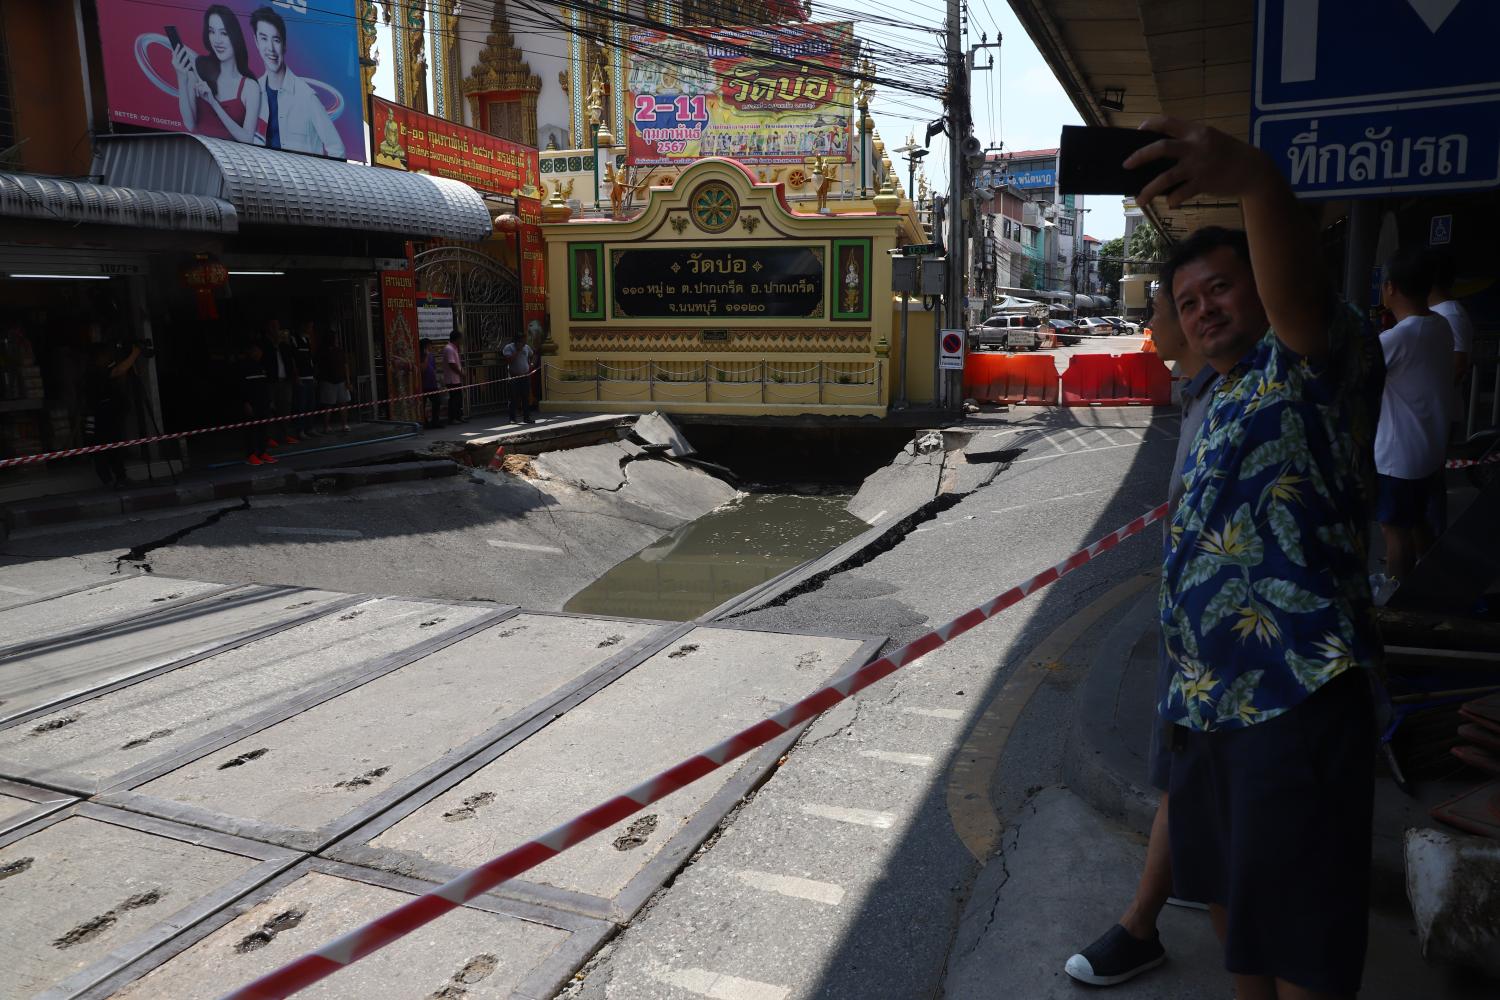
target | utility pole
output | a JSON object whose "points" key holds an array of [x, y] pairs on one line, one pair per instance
{"points": [[958, 189]]}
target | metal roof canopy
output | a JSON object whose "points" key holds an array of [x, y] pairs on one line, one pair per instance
{"points": [[1184, 58], [52, 199], [273, 188]]}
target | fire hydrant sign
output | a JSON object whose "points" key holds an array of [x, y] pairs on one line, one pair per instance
{"points": [[951, 351]]}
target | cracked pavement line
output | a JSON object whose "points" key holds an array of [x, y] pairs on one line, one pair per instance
{"points": [[137, 554], [896, 533]]}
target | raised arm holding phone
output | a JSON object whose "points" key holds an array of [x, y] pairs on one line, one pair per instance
{"points": [[1265, 595]]}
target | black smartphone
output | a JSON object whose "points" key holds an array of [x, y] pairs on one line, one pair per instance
{"points": [[1089, 158], [173, 37]]}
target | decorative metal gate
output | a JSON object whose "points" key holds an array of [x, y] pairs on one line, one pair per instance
{"points": [[486, 306]]}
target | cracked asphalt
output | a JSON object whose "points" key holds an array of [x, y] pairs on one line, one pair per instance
{"points": [[480, 536], [843, 876]]}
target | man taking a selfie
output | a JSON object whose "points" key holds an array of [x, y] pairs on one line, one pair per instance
{"points": [[1265, 605]]}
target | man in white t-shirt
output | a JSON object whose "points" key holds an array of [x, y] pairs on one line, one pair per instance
{"points": [[1442, 302], [1411, 440], [519, 361]]}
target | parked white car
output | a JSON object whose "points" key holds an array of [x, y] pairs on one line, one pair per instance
{"points": [[1006, 333], [1123, 325]]}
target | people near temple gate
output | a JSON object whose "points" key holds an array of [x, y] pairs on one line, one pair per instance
{"points": [[519, 362], [451, 372], [434, 399]]}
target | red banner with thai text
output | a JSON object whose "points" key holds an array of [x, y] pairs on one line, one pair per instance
{"points": [[533, 264], [404, 139], [398, 310]]}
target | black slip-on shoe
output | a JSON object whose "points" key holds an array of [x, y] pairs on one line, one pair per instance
{"points": [[1115, 958]]}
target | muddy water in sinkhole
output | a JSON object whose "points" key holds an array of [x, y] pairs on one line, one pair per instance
{"points": [[727, 551]]}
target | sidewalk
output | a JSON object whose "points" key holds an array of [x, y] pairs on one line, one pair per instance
{"points": [[1069, 865], [368, 456]]}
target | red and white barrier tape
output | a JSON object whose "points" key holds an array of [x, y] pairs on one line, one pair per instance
{"points": [[1466, 463], [315, 966], [91, 449]]}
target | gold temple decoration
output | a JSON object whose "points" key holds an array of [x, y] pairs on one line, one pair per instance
{"points": [[501, 88], [369, 16], [413, 40]]}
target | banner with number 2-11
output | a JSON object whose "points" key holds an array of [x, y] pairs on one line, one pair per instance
{"points": [[776, 94]]}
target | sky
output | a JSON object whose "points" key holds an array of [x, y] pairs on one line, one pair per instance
{"points": [[1019, 103]]}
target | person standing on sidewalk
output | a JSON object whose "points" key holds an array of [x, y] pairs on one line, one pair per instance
{"points": [[1412, 439], [519, 361], [333, 381], [1265, 604], [1441, 301], [430, 385], [453, 376], [304, 342], [255, 402], [281, 374], [1133, 945]]}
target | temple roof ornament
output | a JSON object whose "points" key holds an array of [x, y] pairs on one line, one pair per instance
{"points": [[500, 66]]}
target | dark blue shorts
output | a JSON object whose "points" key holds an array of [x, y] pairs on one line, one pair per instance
{"points": [[1407, 503], [1272, 822], [1159, 758]]}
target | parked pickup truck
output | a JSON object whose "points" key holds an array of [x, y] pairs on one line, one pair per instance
{"points": [[1006, 333]]}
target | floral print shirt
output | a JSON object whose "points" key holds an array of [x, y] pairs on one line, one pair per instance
{"points": [[1265, 595]]}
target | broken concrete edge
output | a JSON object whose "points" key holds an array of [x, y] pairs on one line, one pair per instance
{"points": [[597, 429], [1095, 749], [46, 511], [656, 429], [1449, 880], [857, 551]]}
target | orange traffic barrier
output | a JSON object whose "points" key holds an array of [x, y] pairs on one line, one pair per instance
{"points": [[1139, 379], [1029, 379]]}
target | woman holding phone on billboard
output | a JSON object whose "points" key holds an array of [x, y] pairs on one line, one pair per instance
{"points": [[216, 93]]}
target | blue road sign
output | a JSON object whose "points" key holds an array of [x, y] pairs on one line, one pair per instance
{"points": [[1028, 179], [1368, 97]]}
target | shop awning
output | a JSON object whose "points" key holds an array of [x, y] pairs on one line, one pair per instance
{"points": [[269, 187], [51, 199]]}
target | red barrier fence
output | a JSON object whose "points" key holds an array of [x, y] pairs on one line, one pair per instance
{"points": [[1029, 379], [1139, 379], [1116, 380]]}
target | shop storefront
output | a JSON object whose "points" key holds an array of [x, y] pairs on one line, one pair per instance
{"points": [[313, 240], [79, 318]]}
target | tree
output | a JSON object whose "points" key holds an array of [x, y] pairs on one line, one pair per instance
{"points": [[1028, 280], [1148, 247], [1111, 265]]}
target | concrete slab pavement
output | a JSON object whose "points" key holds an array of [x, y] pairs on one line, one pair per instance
{"points": [[488, 950], [341, 761], [70, 666], [115, 734], [89, 889], [122, 599], [708, 684], [30, 580]]}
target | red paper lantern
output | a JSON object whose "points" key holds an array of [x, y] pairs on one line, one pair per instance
{"points": [[203, 277]]}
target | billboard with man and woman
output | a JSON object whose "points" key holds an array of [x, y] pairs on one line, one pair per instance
{"points": [[277, 73]]}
